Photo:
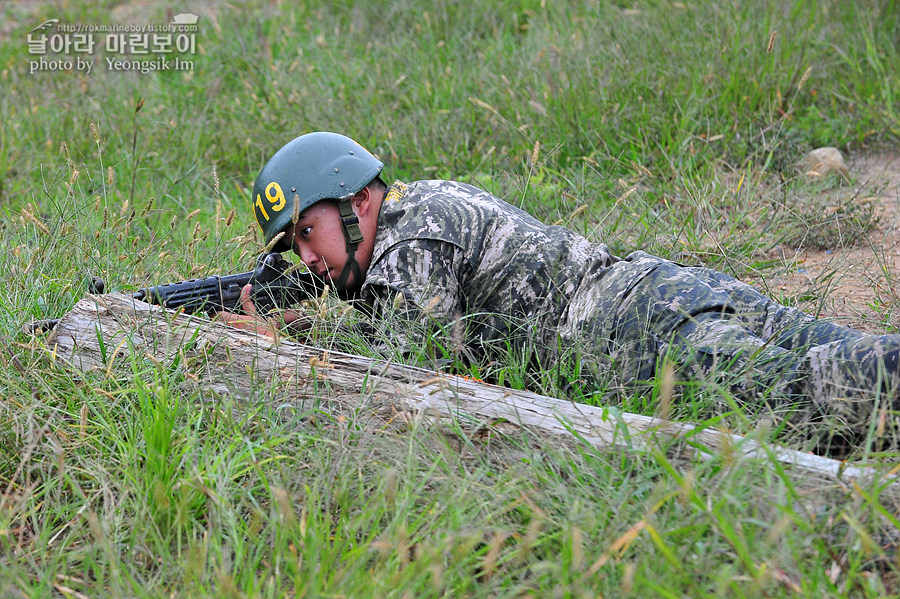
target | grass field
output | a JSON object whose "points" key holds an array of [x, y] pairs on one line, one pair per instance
{"points": [[666, 126]]}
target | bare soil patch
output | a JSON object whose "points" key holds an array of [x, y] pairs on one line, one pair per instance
{"points": [[855, 284]]}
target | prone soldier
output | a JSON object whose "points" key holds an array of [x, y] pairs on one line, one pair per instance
{"points": [[462, 259]]}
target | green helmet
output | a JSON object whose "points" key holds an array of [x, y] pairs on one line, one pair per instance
{"points": [[313, 167]]}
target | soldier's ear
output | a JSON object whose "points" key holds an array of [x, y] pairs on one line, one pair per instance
{"points": [[363, 200]]}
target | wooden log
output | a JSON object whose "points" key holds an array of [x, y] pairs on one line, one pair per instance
{"points": [[102, 331]]}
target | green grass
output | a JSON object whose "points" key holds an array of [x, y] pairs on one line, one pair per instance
{"points": [[632, 123]]}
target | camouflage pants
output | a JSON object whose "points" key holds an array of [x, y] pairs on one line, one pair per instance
{"points": [[712, 327]]}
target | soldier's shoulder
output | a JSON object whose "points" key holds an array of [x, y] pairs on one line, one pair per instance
{"points": [[439, 210], [438, 191], [445, 199]]}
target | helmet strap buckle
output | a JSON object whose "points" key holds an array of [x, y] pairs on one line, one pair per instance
{"points": [[353, 236], [350, 222]]}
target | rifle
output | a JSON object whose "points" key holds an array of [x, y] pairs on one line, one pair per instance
{"points": [[273, 287]]}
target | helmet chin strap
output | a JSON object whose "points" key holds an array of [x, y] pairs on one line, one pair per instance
{"points": [[353, 236]]}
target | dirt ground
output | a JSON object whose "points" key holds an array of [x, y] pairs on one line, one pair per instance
{"points": [[857, 285]]}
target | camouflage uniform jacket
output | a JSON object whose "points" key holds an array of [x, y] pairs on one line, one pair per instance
{"points": [[460, 257]]}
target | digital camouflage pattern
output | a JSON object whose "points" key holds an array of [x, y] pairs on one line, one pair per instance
{"points": [[455, 257]]}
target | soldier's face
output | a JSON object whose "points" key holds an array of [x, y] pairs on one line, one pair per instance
{"points": [[319, 241]]}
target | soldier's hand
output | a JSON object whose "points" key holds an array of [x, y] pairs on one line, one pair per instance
{"points": [[296, 323], [250, 320]]}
